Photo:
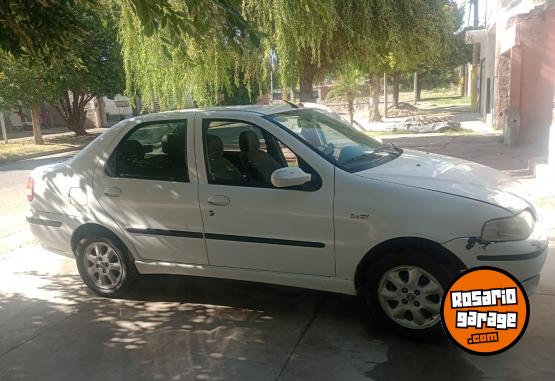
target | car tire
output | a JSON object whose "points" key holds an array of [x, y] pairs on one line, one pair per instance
{"points": [[403, 291], [105, 266]]}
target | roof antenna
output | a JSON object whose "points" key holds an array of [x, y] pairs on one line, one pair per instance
{"points": [[293, 105]]}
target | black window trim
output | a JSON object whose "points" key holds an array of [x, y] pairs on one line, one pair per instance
{"points": [[112, 158], [206, 126]]}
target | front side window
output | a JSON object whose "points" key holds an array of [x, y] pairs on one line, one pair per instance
{"points": [[240, 153], [335, 140], [155, 151]]}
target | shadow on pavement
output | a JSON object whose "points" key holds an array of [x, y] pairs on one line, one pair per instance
{"points": [[182, 328], [170, 328]]}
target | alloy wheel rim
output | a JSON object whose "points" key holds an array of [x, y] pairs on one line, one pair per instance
{"points": [[411, 297], [103, 265]]}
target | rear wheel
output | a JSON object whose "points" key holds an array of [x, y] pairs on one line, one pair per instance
{"points": [[105, 266], [404, 290]]}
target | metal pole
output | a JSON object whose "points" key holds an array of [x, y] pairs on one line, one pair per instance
{"points": [[551, 146], [475, 61], [385, 94], [3, 126], [272, 76]]}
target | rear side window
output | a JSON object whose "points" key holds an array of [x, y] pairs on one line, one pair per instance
{"points": [[154, 151]]}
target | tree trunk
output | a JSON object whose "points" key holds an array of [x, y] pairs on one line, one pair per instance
{"points": [[308, 71], [35, 116], [73, 111], [396, 86], [416, 88], [285, 94], [3, 127], [419, 91], [100, 113], [136, 106], [375, 99]]}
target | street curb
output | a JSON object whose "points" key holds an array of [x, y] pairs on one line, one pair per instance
{"points": [[41, 154]]}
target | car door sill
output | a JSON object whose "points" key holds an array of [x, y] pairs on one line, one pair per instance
{"points": [[315, 282]]}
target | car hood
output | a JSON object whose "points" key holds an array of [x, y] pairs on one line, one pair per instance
{"points": [[454, 176]]}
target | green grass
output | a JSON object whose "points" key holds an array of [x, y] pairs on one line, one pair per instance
{"points": [[444, 101]]}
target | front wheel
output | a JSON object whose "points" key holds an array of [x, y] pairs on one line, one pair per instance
{"points": [[404, 292], [105, 266]]}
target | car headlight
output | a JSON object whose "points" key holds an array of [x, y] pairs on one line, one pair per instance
{"points": [[514, 228]]}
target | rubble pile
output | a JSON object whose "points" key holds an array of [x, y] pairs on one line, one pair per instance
{"points": [[402, 109], [420, 124]]}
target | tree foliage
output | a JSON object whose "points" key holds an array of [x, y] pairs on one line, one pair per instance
{"points": [[170, 66], [100, 71], [346, 87], [312, 39], [43, 29], [93, 68]]}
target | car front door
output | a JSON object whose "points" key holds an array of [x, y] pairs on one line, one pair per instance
{"points": [[149, 186], [249, 223]]}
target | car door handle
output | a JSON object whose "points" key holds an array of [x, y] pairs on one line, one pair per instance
{"points": [[112, 191], [219, 200]]}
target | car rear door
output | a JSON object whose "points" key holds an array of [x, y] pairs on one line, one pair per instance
{"points": [[250, 224], [149, 186]]}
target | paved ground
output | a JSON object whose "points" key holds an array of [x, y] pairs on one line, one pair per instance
{"points": [[179, 328], [13, 178]]}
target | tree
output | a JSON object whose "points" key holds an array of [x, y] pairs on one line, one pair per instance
{"points": [[100, 72], [171, 67], [311, 37], [438, 68], [397, 35], [46, 30], [42, 30], [93, 68], [347, 87], [21, 84]]}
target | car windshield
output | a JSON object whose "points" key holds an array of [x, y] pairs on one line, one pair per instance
{"points": [[335, 140]]}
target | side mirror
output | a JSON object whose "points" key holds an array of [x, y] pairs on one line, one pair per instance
{"points": [[289, 177]]}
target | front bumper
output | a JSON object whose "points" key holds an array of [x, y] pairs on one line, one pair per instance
{"points": [[531, 285], [523, 259]]}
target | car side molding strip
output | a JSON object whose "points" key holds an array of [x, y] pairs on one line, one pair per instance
{"points": [[225, 237], [44, 222], [271, 241], [171, 233], [515, 257]]}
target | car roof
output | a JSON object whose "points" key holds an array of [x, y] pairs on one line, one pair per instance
{"points": [[256, 109], [260, 110]]}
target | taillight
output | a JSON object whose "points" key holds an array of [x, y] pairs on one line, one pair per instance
{"points": [[30, 189]]}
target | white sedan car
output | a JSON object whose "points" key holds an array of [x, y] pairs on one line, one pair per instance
{"points": [[288, 196]]}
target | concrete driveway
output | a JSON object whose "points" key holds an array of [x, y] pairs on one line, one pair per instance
{"points": [[179, 328], [187, 328]]}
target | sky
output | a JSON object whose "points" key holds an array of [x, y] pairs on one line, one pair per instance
{"points": [[482, 5]]}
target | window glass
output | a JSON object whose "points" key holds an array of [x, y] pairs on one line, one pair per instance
{"points": [[239, 153], [156, 151], [289, 155], [335, 140]]}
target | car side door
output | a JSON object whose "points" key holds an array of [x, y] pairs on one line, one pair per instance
{"points": [[249, 223], [149, 187]]}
